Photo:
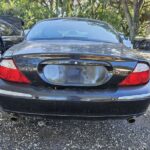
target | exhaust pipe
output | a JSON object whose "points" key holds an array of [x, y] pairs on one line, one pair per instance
{"points": [[131, 120], [9, 116], [14, 117]]}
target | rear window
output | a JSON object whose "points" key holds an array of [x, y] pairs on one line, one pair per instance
{"points": [[73, 29]]}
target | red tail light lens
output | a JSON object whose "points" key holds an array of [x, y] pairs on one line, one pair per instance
{"points": [[140, 75], [9, 72]]}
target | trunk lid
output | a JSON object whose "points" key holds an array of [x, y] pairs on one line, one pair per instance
{"points": [[75, 72], [73, 63], [71, 46]]}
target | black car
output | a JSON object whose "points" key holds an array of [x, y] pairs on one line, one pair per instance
{"points": [[11, 30], [2, 47], [142, 43], [74, 67]]}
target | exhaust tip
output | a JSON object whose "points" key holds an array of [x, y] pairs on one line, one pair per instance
{"points": [[14, 119], [131, 120]]}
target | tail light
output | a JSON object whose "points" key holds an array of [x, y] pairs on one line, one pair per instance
{"points": [[9, 72], [140, 75]]}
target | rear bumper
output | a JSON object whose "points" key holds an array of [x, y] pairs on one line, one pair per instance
{"points": [[74, 108], [123, 102]]}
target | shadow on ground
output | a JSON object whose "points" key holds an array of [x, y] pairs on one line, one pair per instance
{"points": [[58, 134]]}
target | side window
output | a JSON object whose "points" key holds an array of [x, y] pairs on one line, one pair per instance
{"points": [[5, 29]]}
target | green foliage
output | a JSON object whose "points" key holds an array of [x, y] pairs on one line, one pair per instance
{"points": [[32, 11]]}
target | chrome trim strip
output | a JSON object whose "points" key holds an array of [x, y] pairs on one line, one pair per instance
{"points": [[52, 98], [74, 98], [18, 94], [132, 97], [63, 98]]}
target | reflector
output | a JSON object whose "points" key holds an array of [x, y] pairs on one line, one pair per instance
{"points": [[9, 72]]}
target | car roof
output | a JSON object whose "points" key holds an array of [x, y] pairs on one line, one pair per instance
{"points": [[75, 19], [13, 21], [5, 22]]}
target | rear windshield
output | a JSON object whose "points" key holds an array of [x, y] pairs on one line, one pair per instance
{"points": [[73, 30]]}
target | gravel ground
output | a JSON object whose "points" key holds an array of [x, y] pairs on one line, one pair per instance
{"points": [[58, 134]]}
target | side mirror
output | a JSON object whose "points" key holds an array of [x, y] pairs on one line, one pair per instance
{"points": [[26, 31], [126, 40], [121, 36]]}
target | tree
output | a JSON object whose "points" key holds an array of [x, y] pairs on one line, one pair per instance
{"points": [[132, 19], [133, 12], [128, 16]]}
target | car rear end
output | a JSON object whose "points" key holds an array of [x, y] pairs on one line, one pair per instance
{"points": [[74, 67], [74, 84]]}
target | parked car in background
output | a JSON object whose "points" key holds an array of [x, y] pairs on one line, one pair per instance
{"points": [[74, 67], [11, 30], [142, 43], [139, 42]]}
